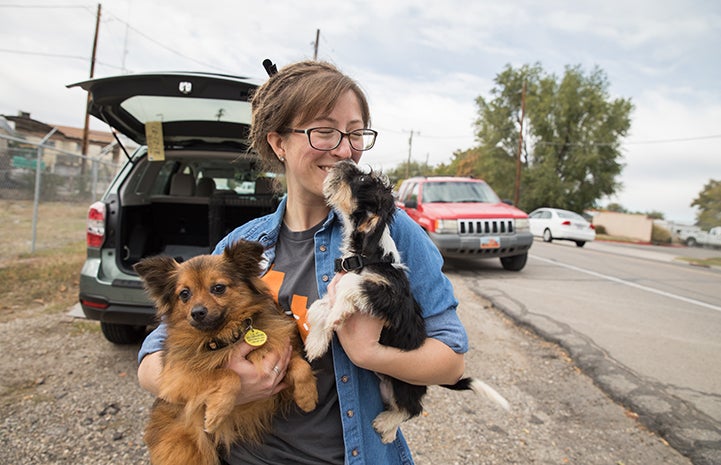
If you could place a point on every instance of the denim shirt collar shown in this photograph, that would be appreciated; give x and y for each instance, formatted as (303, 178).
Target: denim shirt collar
(267, 229)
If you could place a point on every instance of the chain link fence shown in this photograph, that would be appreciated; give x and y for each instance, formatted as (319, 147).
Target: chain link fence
(35, 175)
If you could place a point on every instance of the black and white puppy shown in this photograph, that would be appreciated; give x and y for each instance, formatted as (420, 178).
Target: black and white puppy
(375, 282)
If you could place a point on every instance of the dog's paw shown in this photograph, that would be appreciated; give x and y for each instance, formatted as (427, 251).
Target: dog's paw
(317, 342)
(211, 424)
(386, 424)
(306, 396)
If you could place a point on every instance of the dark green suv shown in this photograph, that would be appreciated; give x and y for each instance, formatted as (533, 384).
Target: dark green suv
(191, 181)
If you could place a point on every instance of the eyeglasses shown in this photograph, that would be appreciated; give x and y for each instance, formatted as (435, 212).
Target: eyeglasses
(330, 138)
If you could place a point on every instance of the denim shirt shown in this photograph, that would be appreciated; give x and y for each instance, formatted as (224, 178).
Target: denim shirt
(358, 389)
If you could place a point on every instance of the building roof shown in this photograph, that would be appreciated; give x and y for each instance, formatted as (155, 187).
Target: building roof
(93, 135)
(24, 124)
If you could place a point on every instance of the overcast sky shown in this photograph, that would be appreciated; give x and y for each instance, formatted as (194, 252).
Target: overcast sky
(422, 65)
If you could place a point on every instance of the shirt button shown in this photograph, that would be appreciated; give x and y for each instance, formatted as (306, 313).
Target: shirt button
(354, 453)
(322, 248)
(344, 379)
(325, 278)
(350, 413)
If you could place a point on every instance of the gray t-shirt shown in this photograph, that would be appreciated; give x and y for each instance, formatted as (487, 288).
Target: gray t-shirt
(299, 438)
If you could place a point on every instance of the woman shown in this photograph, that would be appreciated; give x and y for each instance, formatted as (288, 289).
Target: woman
(306, 118)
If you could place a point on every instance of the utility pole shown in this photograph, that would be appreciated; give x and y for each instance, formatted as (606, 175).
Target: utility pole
(410, 146)
(517, 191)
(315, 45)
(86, 129)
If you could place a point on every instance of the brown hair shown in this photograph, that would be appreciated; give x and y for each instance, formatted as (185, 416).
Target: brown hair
(302, 91)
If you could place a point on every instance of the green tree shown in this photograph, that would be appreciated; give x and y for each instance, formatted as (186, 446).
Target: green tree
(404, 170)
(709, 205)
(572, 132)
(655, 215)
(616, 207)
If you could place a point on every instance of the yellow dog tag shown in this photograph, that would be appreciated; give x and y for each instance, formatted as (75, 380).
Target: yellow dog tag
(255, 337)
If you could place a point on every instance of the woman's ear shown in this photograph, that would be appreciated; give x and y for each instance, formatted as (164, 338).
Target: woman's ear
(277, 143)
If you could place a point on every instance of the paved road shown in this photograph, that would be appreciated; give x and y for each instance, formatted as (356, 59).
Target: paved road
(645, 326)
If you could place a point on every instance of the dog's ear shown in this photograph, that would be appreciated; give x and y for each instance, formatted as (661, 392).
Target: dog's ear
(245, 257)
(387, 205)
(160, 277)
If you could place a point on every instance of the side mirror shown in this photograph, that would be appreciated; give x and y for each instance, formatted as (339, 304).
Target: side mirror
(507, 202)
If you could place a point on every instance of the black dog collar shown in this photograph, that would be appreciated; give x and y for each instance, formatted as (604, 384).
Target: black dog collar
(355, 263)
(238, 334)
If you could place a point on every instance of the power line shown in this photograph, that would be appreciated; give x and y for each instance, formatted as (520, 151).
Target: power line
(55, 55)
(669, 141)
(43, 54)
(396, 131)
(640, 142)
(108, 13)
(12, 5)
(159, 44)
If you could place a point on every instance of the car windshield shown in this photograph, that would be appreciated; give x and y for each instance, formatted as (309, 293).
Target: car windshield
(447, 192)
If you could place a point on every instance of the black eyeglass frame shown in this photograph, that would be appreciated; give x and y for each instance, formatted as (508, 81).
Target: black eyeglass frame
(366, 131)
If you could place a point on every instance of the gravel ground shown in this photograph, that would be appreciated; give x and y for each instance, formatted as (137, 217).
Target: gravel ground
(69, 396)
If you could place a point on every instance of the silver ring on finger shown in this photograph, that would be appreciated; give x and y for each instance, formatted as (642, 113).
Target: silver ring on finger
(276, 370)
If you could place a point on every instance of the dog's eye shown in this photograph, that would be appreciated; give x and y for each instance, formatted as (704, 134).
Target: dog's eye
(218, 289)
(184, 295)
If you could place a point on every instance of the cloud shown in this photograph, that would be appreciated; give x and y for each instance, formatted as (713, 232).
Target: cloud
(671, 152)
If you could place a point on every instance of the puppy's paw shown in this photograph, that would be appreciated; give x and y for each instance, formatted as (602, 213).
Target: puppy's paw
(387, 423)
(317, 342)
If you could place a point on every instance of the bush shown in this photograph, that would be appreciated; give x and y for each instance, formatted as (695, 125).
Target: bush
(660, 235)
(600, 229)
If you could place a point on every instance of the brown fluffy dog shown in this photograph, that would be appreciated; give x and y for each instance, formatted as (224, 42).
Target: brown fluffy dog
(209, 302)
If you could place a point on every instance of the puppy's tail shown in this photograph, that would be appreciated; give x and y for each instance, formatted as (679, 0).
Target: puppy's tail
(479, 387)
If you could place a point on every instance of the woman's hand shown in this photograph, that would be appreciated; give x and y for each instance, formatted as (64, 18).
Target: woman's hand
(259, 383)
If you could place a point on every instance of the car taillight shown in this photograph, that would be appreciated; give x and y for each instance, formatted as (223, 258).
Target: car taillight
(96, 225)
(566, 223)
(591, 226)
(94, 304)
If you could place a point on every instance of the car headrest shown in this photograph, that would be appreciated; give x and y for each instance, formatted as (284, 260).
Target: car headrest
(182, 184)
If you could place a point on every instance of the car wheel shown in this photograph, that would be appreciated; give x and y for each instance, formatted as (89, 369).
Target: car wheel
(122, 334)
(691, 242)
(580, 243)
(547, 236)
(514, 263)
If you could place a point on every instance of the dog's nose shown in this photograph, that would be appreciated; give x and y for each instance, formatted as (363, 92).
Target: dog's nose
(199, 313)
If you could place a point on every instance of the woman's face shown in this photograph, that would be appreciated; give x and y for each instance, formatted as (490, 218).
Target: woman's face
(306, 167)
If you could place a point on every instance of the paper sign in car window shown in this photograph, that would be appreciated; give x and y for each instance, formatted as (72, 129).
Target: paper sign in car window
(154, 137)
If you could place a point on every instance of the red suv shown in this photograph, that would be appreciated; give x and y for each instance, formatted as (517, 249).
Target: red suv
(465, 218)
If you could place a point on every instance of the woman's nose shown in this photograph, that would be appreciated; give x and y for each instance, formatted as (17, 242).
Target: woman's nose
(344, 150)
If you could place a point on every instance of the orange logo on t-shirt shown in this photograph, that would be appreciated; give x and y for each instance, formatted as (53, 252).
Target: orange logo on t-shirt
(298, 303)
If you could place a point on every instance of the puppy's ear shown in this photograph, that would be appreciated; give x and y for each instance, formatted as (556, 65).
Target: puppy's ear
(160, 277)
(386, 204)
(245, 257)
